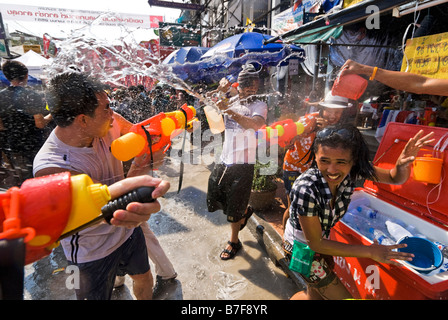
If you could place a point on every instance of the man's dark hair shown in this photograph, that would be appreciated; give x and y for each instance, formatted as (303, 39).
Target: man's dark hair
(70, 94)
(14, 70)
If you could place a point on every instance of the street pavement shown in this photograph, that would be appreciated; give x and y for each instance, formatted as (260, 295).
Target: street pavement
(192, 238)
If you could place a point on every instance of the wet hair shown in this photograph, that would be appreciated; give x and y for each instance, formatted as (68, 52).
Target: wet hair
(248, 76)
(346, 136)
(14, 70)
(70, 94)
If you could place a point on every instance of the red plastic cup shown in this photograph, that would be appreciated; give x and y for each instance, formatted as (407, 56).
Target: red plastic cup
(350, 86)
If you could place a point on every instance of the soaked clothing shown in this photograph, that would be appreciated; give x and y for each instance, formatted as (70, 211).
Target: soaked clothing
(310, 197)
(97, 278)
(98, 163)
(240, 145)
(229, 189)
(230, 182)
(296, 157)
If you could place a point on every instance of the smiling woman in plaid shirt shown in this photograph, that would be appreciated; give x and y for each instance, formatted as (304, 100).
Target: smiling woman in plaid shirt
(321, 195)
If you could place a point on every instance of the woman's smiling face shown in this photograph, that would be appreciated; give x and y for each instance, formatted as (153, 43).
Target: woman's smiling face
(334, 163)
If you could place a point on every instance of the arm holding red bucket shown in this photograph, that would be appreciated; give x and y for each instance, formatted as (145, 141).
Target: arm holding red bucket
(399, 80)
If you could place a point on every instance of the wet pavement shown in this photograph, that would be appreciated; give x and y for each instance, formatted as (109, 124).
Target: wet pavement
(193, 238)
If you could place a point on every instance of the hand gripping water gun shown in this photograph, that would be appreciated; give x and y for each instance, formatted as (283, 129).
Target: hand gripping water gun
(47, 209)
(153, 134)
(286, 130)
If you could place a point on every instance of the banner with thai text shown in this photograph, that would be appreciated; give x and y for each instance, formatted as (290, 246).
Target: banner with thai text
(427, 56)
(76, 17)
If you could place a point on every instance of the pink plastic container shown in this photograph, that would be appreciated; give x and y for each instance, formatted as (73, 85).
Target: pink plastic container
(350, 86)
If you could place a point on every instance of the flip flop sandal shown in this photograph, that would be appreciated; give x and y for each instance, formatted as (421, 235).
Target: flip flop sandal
(231, 253)
(246, 217)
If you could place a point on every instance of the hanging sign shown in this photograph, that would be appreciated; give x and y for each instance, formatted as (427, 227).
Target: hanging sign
(427, 56)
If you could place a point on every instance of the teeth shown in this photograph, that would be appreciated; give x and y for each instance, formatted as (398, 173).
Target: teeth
(333, 177)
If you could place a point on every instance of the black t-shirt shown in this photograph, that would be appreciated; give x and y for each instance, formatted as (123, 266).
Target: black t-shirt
(18, 105)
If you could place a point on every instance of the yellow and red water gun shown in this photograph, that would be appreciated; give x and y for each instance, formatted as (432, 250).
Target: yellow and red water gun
(153, 134)
(46, 209)
(284, 130)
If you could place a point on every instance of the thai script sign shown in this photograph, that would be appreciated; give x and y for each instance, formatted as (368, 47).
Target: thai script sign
(427, 56)
(73, 16)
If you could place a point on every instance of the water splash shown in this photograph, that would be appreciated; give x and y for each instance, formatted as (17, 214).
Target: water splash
(228, 287)
(87, 49)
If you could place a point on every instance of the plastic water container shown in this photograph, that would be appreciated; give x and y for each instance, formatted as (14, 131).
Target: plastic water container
(358, 222)
(381, 237)
(427, 169)
(367, 212)
(215, 120)
(427, 256)
(350, 86)
(396, 231)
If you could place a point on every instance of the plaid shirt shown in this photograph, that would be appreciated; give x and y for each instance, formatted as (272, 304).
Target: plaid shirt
(311, 196)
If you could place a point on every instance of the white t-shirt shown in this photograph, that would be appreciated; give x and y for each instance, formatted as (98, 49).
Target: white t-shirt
(240, 145)
(98, 163)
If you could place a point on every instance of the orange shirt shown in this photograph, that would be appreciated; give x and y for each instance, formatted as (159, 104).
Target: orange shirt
(292, 162)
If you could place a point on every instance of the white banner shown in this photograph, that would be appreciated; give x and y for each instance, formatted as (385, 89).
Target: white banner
(76, 17)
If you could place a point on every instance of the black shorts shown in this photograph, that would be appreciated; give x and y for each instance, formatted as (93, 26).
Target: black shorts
(97, 277)
(229, 189)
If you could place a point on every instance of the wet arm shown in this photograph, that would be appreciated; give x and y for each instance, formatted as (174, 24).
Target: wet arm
(404, 81)
(254, 123)
(402, 170)
(384, 254)
(313, 233)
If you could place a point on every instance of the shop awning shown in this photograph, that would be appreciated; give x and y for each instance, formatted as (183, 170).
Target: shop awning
(318, 35)
(352, 14)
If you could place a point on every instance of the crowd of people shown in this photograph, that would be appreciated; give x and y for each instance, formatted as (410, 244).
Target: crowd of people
(136, 104)
(320, 169)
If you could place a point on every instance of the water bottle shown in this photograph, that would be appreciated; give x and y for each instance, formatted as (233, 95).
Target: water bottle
(381, 237)
(215, 120)
(397, 231)
(375, 218)
(357, 221)
(367, 212)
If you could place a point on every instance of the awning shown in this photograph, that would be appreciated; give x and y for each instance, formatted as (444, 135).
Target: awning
(352, 14)
(316, 36)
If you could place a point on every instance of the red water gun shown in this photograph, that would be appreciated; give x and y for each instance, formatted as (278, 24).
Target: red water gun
(285, 130)
(46, 209)
(153, 134)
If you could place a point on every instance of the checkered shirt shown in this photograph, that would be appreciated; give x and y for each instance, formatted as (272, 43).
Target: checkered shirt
(311, 196)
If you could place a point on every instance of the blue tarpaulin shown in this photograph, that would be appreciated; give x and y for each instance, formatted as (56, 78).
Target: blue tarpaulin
(228, 56)
(185, 54)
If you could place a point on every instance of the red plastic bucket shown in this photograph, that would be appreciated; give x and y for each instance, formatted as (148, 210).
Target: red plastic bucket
(350, 86)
